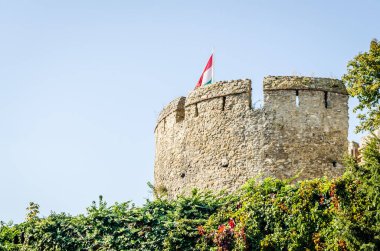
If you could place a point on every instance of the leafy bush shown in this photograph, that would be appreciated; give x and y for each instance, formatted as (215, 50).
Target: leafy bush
(320, 214)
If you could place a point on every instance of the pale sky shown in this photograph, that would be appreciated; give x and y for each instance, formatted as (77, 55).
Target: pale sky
(82, 82)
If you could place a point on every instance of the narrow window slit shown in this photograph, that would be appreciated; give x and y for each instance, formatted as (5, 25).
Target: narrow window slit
(180, 116)
(334, 163)
(297, 99)
(223, 103)
(326, 100)
(196, 110)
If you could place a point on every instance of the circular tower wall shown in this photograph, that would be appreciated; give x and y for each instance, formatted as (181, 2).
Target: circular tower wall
(214, 140)
(211, 147)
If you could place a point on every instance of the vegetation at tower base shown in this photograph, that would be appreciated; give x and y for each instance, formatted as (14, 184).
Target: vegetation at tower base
(363, 81)
(318, 214)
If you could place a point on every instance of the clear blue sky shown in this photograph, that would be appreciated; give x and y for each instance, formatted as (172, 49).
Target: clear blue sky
(82, 82)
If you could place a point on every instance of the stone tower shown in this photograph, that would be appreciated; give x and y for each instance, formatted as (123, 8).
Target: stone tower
(213, 139)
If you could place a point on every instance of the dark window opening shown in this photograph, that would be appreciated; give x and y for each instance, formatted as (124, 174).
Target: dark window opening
(326, 100)
(182, 175)
(297, 99)
(334, 163)
(196, 110)
(180, 115)
(223, 103)
(164, 124)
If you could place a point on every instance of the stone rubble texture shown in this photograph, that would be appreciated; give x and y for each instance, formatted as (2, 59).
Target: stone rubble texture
(214, 140)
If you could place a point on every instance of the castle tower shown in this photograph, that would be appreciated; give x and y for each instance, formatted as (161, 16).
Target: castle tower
(214, 139)
(306, 128)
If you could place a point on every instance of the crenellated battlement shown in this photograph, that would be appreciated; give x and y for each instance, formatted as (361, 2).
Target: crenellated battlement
(218, 90)
(177, 106)
(272, 83)
(213, 139)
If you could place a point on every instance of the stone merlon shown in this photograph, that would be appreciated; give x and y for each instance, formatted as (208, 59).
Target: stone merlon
(177, 104)
(219, 89)
(303, 83)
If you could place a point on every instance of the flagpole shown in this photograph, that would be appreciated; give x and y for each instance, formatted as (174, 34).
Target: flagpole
(213, 65)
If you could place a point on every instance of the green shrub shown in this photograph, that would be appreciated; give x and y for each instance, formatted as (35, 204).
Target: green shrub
(320, 214)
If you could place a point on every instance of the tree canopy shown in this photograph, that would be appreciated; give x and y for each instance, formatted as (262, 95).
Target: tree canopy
(363, 82)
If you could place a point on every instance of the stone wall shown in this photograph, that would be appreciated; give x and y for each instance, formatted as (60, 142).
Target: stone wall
(306, 137)
(214, 140)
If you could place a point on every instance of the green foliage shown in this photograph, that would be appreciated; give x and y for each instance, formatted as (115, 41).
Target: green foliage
(363, 81)
(9, 237)
(277, 216)
(320, 214)
(359, 216)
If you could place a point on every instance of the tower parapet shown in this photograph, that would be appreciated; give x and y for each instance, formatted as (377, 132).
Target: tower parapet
(218, 90)
(214, 139)
(303, 83)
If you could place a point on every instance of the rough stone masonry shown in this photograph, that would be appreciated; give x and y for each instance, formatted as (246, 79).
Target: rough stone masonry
(213, 139)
